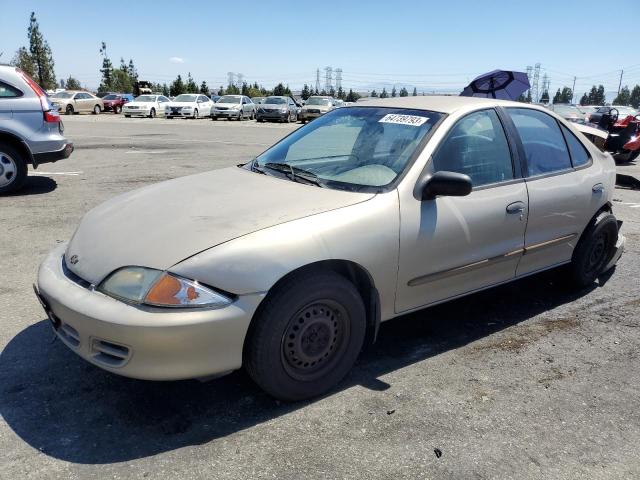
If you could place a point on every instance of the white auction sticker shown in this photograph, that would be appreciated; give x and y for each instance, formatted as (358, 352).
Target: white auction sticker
(413, 120)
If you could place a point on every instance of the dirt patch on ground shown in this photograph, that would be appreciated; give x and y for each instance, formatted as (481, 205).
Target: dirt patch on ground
(519, 337)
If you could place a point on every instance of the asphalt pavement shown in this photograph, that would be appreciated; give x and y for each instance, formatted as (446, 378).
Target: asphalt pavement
(528, 380)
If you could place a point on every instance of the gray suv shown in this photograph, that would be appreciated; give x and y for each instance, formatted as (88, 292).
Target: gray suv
(30, 128)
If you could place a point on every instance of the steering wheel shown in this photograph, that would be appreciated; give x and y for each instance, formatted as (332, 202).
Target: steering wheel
(614, 117)
(637, 118)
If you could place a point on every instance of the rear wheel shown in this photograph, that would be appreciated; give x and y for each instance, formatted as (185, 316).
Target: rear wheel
(594, 250)
(127, 116)
(68, 110)
(152, 113)
(307, 336)
(13, 169)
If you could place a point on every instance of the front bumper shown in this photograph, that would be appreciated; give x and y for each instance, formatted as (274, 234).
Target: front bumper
(142, 342)
(276, 115)
(308, 116)
(49, 157)
(225, 113)
(137, 113)
(181, 114)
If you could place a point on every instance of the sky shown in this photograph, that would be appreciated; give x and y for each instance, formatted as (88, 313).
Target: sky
(433, 45)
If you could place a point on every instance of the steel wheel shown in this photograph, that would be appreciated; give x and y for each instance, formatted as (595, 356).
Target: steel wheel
(598, 254)
(8, 170)
(315, 339)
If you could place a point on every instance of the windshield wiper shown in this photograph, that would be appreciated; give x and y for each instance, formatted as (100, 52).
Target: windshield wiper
(296, 173)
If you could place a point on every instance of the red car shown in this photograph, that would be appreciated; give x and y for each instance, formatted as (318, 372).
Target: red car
(114, 101)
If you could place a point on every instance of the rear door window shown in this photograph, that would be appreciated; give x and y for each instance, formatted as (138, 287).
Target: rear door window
(7, 91)
(544, 146)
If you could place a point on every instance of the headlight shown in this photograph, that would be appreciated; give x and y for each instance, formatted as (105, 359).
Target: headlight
(158, 288)
(284, 110)
(186, 108)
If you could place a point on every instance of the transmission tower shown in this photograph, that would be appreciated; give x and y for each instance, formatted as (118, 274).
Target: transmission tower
(317, 80)
(535, 88)
(328, 78)
(231, 78)
(545, 83)
(240, 78)
(338, 78)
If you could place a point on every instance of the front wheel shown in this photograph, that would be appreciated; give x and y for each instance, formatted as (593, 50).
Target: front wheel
(594, 250)
(69, 110)
(195, 114)
(13, 169)
(117, 109)
(307, 336)
(96, 110)
(127, 116)
(152, 113)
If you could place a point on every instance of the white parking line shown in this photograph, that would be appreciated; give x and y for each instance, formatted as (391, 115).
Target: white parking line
(55, 173)
(167, 140)
(146, 151)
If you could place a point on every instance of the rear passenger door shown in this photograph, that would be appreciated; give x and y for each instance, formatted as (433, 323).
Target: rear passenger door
(562, 195)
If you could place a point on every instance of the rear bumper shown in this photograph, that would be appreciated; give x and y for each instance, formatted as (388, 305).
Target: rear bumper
(49, 157)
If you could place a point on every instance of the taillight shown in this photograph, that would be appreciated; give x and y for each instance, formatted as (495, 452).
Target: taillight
(50, 115)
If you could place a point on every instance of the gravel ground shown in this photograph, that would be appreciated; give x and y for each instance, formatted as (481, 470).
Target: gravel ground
(523, 381)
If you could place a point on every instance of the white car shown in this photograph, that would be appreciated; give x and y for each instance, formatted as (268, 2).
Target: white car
(191, 105)
(146, 106)
(237, 107)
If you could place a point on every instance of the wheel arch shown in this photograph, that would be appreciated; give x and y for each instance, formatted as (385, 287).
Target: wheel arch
(353, 272)
(17, 143)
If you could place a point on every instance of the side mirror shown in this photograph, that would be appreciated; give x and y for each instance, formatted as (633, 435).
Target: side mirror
(448, 184)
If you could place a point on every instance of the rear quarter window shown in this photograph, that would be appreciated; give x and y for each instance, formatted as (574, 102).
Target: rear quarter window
(7, 91)
(579, 154)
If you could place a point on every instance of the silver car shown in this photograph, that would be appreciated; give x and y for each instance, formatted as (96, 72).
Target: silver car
(288, 264)
(280, 108)
(30, 128)
(236, 107)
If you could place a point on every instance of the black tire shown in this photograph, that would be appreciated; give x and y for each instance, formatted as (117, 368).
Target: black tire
(152, 113)
(117, 109)
(306, 337)
(96, 110)
(13, 169)
(68, 110)
(594, 250)
(196, 116)
(127, 116)
(260, 120)
(240, 116)
(213, 118)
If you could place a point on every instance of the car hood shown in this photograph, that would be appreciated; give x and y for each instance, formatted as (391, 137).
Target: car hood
(316, 107)
(162, 224)
(140, 104)
(181, 104)
(228, 105)
(273, 105)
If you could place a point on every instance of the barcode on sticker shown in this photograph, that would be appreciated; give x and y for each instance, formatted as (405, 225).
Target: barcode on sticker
(412, 120)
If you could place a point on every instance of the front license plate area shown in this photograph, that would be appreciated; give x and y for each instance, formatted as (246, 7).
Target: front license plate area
(55, 321)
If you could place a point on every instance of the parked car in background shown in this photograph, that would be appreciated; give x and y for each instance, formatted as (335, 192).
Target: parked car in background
(71, 101)
(623, 127)
(616, 111)
(30, 129)
(146, 106)
(236, 107)
(258, 100)
(280, 108)
(114, 102)
(422, 200)
(571, 113)
(189, 105)
(315, 107)
(338, 103)
(215, 98)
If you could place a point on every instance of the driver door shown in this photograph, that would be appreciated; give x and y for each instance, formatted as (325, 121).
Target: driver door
(450, 246)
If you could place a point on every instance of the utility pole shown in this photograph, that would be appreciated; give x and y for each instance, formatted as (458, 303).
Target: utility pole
(318, 80)
(620, 84)
(573, 89)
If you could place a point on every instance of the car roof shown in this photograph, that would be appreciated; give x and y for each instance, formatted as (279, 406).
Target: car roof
(439, 103)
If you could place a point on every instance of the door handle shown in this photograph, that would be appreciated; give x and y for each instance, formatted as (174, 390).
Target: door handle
(515, 207)
(597, 188)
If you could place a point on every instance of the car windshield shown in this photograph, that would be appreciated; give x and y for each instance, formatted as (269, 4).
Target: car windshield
(227, 99)
(185, 98)
(318, 101)
(624, 111)
(353, 148)
(566, 110)
(62, 95)
(276, 100)
(146, 98)
(111, 97)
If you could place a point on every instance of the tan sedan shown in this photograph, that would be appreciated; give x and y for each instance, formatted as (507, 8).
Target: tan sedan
(288, 264)
(70, 102)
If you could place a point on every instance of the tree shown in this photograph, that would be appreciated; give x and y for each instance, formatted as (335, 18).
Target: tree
(557, 97)
(415, 92)
(566, 96)
(107, 70)
(22, 59)
(352, 96)
(384, 93)
(624, 97)
(279, 90)
(600, 97)
(190, 86)
(165, 90)
(585, 99)
(374, 93)
(204, 89)
(545, 97)
(341, 94)
(41, 55)
(332, 92)
(528, 99)
(393, 91)
(177, 87)
(232, 90)
(71, 83)
(634, 98)
(306, 93)
(133, 72)
(404, 92)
